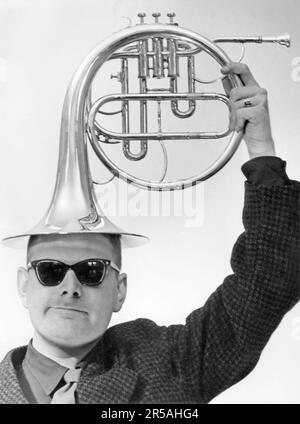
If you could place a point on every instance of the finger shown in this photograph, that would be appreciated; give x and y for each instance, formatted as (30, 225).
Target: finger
(240, 104)
(245, 92)
(242, 71)
(240, 122)
(244, 115)
(232, 119)
(251, 114)
(227, 85)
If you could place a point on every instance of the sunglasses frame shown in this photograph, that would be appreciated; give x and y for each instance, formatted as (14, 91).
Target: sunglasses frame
(105, 262)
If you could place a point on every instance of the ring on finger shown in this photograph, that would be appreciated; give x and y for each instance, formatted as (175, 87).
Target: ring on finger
(247, 103)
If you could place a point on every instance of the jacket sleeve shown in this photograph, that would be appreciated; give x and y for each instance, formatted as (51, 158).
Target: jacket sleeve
(266, 171)
(221, 342)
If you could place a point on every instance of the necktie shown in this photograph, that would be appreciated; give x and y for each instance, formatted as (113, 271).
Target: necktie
(66, 394)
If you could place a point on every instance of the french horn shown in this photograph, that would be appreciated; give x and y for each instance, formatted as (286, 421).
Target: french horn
(157, 50)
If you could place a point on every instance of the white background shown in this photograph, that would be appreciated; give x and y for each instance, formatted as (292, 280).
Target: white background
(41, 44)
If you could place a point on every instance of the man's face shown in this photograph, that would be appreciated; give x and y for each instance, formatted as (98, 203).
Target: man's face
(72, 314)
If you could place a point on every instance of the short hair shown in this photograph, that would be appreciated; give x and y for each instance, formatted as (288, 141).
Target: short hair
(115, 240)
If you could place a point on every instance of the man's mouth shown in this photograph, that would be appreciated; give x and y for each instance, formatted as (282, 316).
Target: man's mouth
(69, 309)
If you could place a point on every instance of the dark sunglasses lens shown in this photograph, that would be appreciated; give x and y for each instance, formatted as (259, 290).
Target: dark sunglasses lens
(51, 273)
(90, 272)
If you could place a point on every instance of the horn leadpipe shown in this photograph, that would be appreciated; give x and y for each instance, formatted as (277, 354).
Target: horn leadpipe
(283, 40)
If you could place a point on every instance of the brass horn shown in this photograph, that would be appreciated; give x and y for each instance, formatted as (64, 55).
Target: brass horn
(156, 48)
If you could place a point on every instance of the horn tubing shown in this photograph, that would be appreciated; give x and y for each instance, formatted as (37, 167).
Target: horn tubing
(73, 164)
(154, 97)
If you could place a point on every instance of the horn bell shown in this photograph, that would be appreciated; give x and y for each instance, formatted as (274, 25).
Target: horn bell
(74, 206)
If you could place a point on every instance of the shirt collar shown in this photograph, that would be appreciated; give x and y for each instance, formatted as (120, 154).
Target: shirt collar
(48, 372)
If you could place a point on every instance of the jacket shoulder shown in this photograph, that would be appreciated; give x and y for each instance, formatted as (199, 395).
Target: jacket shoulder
(14, 358)
(141, 335)
(10, 390)
(142, 329)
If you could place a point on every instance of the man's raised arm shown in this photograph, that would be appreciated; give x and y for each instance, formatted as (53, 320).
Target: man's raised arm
(222, 341)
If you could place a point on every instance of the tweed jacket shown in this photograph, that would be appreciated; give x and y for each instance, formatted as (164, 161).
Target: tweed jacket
(221, 342)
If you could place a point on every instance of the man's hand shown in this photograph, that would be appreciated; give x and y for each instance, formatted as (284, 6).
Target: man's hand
(252, 117)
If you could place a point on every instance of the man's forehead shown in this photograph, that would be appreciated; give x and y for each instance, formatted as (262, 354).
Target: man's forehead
(70, 247)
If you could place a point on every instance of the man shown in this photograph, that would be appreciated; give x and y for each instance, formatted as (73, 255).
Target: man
(73, 284)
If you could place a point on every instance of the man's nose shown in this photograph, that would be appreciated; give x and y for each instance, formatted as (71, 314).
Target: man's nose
(70, 286)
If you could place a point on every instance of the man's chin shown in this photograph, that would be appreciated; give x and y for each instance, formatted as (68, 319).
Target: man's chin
(70, 337)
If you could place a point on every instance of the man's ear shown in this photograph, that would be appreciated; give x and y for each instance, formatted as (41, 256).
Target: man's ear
(121, 291)
(22, 285)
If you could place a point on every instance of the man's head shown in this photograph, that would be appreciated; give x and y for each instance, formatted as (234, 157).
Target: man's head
(70, 314)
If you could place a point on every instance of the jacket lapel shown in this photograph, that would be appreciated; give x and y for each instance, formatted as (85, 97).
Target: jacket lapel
(114, 386)
(107, 376)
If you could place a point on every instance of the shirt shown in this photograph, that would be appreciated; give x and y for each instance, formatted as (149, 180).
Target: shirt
(40, 376)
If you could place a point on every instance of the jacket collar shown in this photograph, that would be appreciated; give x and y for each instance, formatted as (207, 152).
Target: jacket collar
(106, 377)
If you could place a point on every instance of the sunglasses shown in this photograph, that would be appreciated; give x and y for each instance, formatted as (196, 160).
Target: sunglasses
(90, 272)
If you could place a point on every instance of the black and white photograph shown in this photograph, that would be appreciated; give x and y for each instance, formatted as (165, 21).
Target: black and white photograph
(150, 203)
